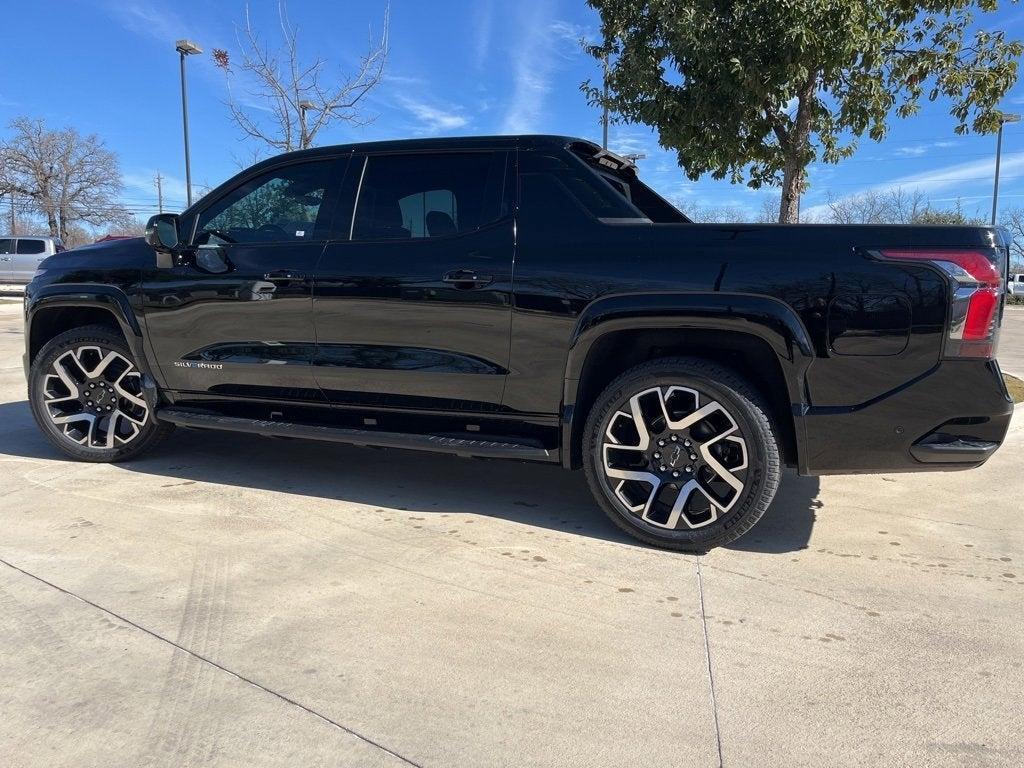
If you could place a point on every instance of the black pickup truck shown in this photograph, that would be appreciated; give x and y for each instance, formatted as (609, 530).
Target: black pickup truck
(528, 298)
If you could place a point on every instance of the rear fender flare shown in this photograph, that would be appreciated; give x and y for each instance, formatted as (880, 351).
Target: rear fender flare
(766, 318)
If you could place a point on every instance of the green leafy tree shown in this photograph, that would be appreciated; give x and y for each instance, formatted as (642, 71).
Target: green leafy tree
(756, 90)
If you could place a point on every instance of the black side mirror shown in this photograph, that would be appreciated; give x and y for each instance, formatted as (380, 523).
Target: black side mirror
(162, 232)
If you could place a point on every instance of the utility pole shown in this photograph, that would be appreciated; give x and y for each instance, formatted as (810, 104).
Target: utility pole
(159, 193)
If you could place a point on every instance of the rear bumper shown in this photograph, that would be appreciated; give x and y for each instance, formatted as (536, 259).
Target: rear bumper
(953, 417)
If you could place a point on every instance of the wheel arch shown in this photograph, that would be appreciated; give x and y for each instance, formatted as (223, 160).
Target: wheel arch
(62, 308)
(761, 338)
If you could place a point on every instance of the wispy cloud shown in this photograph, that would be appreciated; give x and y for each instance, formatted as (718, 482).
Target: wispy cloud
(145, 18)
(484, 32)
(431, 118)
(5, 102)
(918, 150)
(536, 58)
(959, 175)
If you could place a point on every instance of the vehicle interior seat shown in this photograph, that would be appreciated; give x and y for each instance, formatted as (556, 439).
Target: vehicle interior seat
(440, 224)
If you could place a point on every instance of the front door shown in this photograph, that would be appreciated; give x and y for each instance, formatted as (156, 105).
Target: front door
(414, 310)
(27, 254)
(235, 317)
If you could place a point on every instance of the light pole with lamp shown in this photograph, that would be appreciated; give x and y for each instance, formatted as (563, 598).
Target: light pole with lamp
(303, 105)
(186, 48)
(1003, 119)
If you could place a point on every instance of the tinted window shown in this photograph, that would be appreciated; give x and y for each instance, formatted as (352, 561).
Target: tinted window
(31, 246)
(550, 177)
(408, 196)
(285, 204)
(6, 246)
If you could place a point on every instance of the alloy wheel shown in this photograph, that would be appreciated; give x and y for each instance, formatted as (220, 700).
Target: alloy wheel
(94, 397)
(674, 458)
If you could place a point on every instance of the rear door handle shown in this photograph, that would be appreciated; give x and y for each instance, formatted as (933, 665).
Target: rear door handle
(467, 278)
(284, 276)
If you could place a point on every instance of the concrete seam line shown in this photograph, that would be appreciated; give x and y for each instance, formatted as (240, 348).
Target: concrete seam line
(707, 658)
(213, 663)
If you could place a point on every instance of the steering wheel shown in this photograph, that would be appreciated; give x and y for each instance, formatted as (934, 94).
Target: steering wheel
(272, 228)
(220, 234)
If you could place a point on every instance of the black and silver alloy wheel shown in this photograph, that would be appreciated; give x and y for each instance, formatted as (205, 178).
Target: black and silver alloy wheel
(681, 454)
(673, 459)
(95, 397)
(86, 395)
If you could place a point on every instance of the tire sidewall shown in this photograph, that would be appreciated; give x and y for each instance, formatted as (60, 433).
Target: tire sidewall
(41, 366)
(753, 426)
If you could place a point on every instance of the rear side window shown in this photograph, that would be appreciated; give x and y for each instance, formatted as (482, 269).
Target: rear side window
(411, 196)
(548, 180)
(6, 246)
(31, 246)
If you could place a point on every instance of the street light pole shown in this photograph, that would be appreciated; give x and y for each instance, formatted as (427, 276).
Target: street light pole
(1003, 119)
(604, 117)
(303, 106)
(186, 48)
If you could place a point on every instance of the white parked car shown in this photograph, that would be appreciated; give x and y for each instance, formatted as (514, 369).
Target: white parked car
(20, 256)
(1015, 285)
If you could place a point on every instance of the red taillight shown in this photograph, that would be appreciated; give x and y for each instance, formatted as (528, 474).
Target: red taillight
(981, 312)
(974, 303)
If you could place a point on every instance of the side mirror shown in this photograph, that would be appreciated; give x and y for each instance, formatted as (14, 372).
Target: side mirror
(162, 232)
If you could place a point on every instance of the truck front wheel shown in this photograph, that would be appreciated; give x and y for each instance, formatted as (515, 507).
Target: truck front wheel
(86, 395)
(680, 453)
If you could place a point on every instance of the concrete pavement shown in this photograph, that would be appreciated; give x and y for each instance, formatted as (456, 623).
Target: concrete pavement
(230, 600)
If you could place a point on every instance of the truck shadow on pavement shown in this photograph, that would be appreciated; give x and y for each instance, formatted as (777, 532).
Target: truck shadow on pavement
(529, 494)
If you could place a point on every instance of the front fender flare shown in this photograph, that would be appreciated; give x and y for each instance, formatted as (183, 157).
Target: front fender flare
(106, 297)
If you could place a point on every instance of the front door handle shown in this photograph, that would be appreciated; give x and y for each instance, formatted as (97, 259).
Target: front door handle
(284, 276)
(467, 278)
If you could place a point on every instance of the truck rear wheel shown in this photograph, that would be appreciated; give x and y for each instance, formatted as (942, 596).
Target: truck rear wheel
(86, 395)
(680, 453)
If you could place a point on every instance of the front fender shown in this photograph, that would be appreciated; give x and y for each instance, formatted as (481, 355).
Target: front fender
(71, 295)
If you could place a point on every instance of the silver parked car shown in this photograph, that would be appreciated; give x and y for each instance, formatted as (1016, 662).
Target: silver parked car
(1015, 285)
(20, 256)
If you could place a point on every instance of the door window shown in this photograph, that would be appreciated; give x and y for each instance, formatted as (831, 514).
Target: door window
(282, 205)
(31, 246)
(6, 246)
(429, 195)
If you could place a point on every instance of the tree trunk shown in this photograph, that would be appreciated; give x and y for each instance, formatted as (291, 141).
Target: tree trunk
(51, 220)
(789, 208)
(794, 144)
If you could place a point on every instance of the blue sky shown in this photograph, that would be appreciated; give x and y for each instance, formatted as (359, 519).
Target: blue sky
(456, 68)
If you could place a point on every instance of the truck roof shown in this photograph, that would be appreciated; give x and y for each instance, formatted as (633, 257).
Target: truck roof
(447, 142)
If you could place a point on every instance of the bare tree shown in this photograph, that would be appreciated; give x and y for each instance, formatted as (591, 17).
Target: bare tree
(894, 206)
(289, 88)
(1013, 220)
(711, 214)
(64, 177)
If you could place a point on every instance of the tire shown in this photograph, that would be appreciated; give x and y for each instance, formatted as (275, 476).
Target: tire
(85, 392)
(711, 439)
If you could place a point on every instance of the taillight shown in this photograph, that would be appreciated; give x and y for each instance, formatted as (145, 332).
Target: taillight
(974, 305)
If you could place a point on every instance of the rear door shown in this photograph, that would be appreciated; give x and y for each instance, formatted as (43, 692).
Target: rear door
(27, 255)
(414, 308)
(236, 318)
(7, 246)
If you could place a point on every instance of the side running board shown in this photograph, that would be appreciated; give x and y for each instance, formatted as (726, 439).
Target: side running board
(362, 437)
